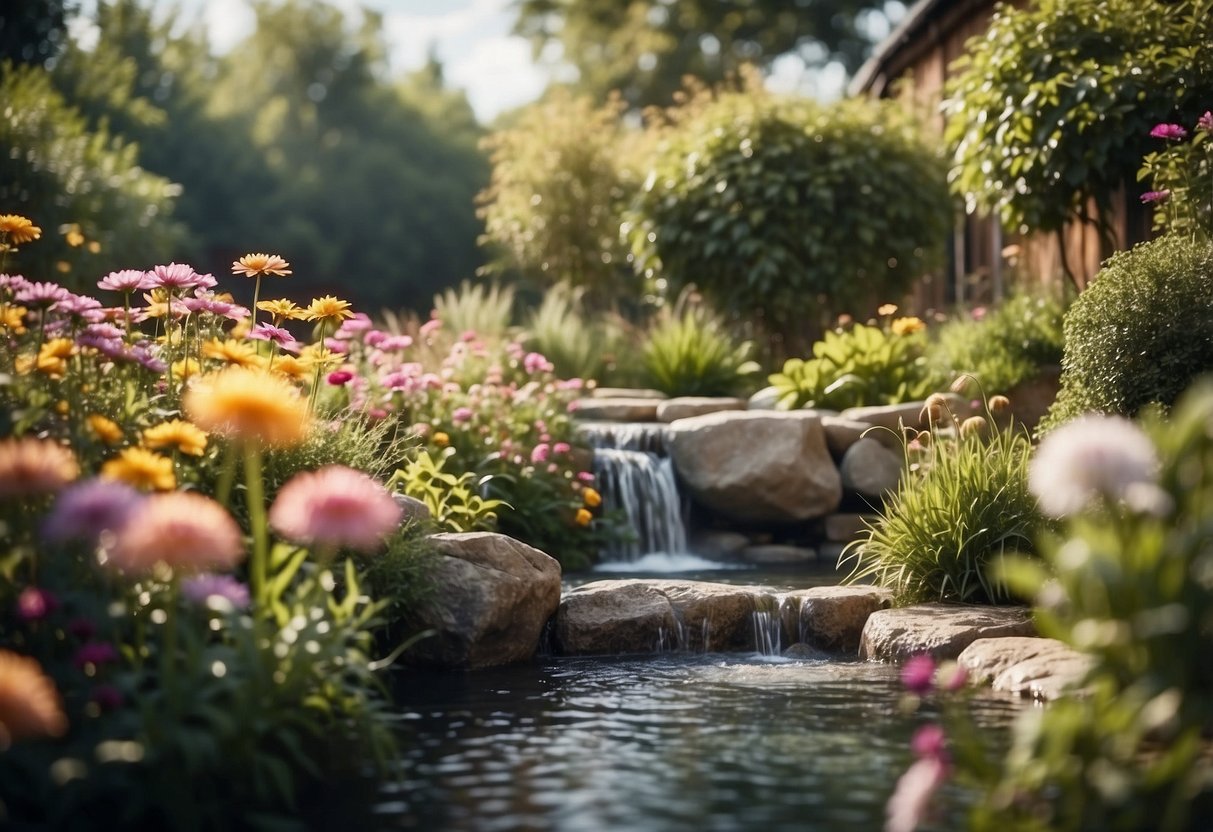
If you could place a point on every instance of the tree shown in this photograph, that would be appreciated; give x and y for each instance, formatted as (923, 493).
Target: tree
(33, 31)
(644, 48)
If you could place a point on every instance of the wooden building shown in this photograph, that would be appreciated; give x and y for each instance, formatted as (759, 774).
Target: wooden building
(913, 65)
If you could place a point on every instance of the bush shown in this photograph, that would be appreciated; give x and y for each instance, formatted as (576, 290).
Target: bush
(601, 347)
(1141, 333)
(961, 508)
(863, 365)
(689, 352)
(783, 210)
(1003, 348)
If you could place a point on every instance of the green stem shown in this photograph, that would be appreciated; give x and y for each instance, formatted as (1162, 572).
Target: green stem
(168, 341)
(168, 651)
(227, 475)
(256, 295)
(255, 500)
(311, 401)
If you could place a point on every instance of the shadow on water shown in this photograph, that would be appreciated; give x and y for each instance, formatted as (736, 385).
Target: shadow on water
(674, 742)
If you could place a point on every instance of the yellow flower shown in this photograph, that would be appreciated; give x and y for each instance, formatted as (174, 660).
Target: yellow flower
(186, 437)
(887, 309)
(282, 309)
(29, 703)
(106, 430)
(57, 348)
(13, 318)
(34, 466)
(253, 265)
(18, 229)
(93, 247)
(73, 236)
(290, 367)
(140, 468)
(442, 439)
(240, 353)
(907, 326)
(327, 308)
(314, 355)
(583, 517)
(186, 368)
(591, 497)
(251, 405)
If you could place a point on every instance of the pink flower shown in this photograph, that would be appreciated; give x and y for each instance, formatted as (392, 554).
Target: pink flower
(918, 674)
(181, 529)
(534, 363)
(952, 677)
(1168, 131)
(268, 332)
(86, 509)
(35, 604)
(912, 798)
(430, 327)
(540, 453)
(561, 448)
(585, 476)
(929, 741)
(461, 414)
(340, 377)
(1205, 122)
(1090, 457)
(1156, 196)
(335, 506)
(176, 276)
(126, 280)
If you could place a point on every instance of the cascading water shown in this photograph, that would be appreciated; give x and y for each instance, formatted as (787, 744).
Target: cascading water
(635, 475)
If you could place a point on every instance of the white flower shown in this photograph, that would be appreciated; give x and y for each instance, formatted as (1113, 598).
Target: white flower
(1090, 457)
(910, 800)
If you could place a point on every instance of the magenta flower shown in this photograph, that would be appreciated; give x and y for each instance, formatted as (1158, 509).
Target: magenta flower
(269, 332)
(95, 653)
(461, 414)
(918, 674)
(126, 280)
(1169, 131)
(929, 741)
(175, 276)
(35, 604)
(534, 363)
(334, 507)
(1205, 122)
(561, 448)
(540, 453)
(88, 508)
(339, 377)
(585, 476)
(1156, 196)
(201, 589)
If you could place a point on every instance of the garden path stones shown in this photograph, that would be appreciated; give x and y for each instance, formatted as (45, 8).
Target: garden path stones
(757, 466)
(685, 407)
(941, 630)
(870, 469)
(493, 595)
(1041, 668)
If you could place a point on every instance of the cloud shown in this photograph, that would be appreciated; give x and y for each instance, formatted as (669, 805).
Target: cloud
(498, 75)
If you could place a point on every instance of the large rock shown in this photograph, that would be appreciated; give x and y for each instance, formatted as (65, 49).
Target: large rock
(685, 407)
(842, 433)
(718, 544)
(616, 409)
(626, 393)
(611, 617)
(757, 466)
(870, 469)
(1042, 668)
(910, 414)
(492, 597)
(833, 617)
(942, 630)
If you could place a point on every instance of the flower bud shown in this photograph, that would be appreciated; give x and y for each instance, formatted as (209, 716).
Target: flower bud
(999, 403)
(973, 426)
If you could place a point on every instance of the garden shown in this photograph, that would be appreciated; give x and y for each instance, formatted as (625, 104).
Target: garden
(686, 512)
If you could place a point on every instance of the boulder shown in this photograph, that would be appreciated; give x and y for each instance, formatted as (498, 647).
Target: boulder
(777, 553)
(718, 545)
(611, 617)
(911, 414)
(842, 433)
(626, 393)
(616, 409)
(1041, 668)
(764, 399)
(757, 466)
(843, 528)
(412, 508)
(804, 652)
(941, 630)
(833, 617)
(870, 469)
(685, 407)
(492, 597)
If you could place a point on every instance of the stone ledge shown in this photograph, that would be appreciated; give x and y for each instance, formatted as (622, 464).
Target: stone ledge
(1040, 668)
(940, 630)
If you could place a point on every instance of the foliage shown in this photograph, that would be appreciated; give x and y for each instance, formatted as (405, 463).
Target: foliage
(1181, 176)
(66, 175)
(554, 203)
(736, 196)
(601, 347)
(451, 499)
(1003, 347)
(31, 32)
(1131, 588)
(483, 309)
(688, 352)
(1053, 105)
(401, 575)
(962, 507)
(862, 365)
(646, 48)
(1140, 333)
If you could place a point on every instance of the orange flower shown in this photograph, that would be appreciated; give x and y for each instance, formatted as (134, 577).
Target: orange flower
(907, 326)
(29, 703)
(583, 517)
(251, 405)
(240, 353)
(591, 497)
(106, 430)
(290, 367)
(254, 265)
(31, 466)
(18, 229)
(13, 318)
(327, 308)
(186, 437)
(141, 468)
(887, 309)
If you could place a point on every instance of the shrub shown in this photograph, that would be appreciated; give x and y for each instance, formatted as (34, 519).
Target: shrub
(485, 309)
(863, 365)
(1003, 348)
(453, 503)
(739, 191)
(688, 352)
(961, 508)
(600, 347)
(1141, 333)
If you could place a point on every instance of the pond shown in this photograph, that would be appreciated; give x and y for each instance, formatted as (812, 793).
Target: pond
(677, 741)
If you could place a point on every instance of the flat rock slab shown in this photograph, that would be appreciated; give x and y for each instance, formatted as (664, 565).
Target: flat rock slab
(685, 407)
(626, 393)
(616, 410)
(842, 433)
(1040, 668)
(777, 553)
(940, 630)
(647, 616)
(910, 414)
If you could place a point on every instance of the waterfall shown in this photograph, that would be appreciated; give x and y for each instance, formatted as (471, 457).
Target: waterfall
(768, 632)
(636, 476)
